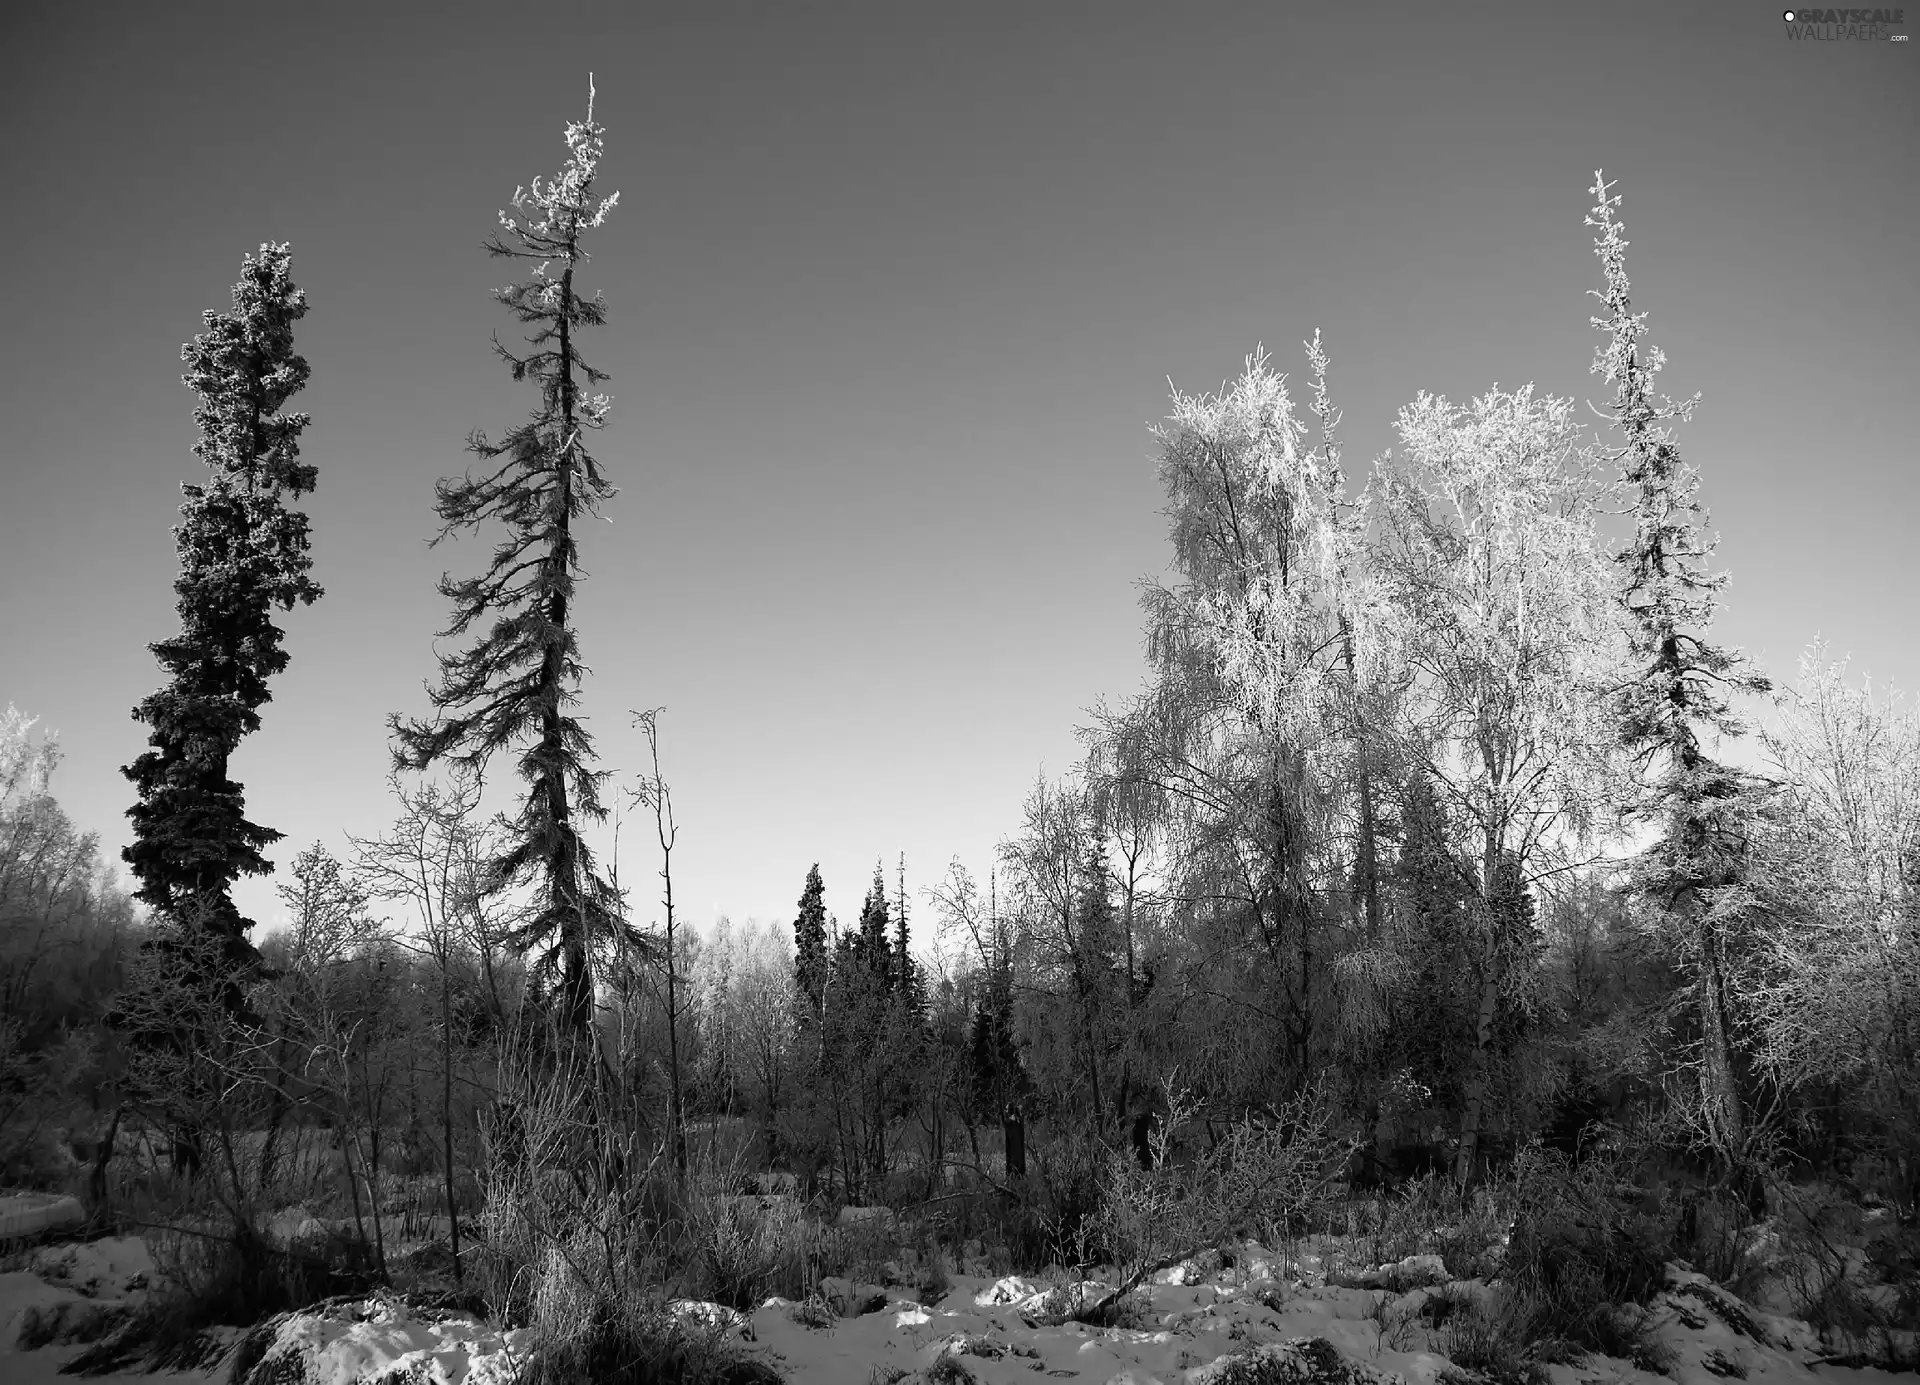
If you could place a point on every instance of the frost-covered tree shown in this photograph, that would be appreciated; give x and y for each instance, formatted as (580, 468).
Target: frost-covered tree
(1241, 733)
(60, 911)
(1830, 983)
(514, 685)
(327, 909)
(243, 551)
(1488, 550)
(1681, 688)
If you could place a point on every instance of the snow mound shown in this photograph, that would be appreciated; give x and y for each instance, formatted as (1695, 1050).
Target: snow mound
(1012, 1289)
(711, 1315)
(294, 1226)
(1414, 1272)
(30, 1214)
(114, 1265)
(378, 1340)
(1297, 1361)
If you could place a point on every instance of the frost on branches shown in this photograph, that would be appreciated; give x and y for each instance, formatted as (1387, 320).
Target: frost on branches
(242, 552)
(1681, 688)
(521, 676)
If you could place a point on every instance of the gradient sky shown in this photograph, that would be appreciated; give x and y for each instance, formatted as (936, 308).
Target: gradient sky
(895, 291)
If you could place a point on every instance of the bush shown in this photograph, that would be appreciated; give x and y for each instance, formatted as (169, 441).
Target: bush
(1583, 1257)
(1075, 1303)
(1259, 1180)
(635, 1342)
(744, 1251)
(1484, 1353)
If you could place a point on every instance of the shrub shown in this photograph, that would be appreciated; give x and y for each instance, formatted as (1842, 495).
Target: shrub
(1492, 1340)
(744, 1251)
(1583, 1257)
(1258, 1179)
(1074, 1303)
(635, 1342)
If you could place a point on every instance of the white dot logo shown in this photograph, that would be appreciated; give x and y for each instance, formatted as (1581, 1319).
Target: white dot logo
(1787, 15)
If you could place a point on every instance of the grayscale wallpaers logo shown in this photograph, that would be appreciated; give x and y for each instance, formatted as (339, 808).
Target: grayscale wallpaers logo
(1840, 25)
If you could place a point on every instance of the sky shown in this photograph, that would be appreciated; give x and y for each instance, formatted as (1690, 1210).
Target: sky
(895, 292)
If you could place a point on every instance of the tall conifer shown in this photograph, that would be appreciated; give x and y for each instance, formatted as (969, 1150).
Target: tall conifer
(1682, 684)
(810, 949)
(243, 550)
(514, 685)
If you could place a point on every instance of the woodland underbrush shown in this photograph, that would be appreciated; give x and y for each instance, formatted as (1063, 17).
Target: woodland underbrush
(582, 1228)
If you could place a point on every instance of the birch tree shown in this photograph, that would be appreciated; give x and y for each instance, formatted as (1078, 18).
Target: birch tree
(1239, 731)
(1486, 544)
(1830, 983)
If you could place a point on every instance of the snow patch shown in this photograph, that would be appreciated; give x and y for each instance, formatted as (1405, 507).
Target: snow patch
(378, 1341)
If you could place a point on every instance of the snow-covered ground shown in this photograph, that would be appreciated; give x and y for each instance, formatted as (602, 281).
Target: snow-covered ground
(66, 1284)
(996, 1329)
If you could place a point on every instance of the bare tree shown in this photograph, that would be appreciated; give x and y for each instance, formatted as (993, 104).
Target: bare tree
(653, 794)
(434, 859)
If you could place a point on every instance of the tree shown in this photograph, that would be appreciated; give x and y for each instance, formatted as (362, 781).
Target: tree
(242, 551)
(431, 859)
(1681, 687)
(762, 988)
(521, 676)
(909, 982)
(1047, 862)
(62, 926)
(997, 1084)
(1488, 551)
(1830, 983)
(653, 794)
(1360, 694)
(328, 909)
(1243, 732)
(871, 945)
(810, 949)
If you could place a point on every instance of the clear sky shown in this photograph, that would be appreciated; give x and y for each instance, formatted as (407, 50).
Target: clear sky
(894, 292)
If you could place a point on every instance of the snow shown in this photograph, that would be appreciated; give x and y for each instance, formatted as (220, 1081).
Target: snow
(1187, 1328)
(1012, 1289)
(111, 1271)
(1312, 1331)
(117, 1265)
(28, 1214)
(378, 1339)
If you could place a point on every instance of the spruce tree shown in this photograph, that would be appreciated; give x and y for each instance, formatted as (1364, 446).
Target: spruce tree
(810, 949)
(909, 985)
(243, 551)
(515, 684)
(871, 945)
(1681, 685)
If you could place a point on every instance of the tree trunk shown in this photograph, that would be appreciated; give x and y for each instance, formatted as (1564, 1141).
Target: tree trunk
(1476, 1085)
(97, 1178)
(1474, 1106)
(1369, 863)
(1719, 1095)
(446, 1114)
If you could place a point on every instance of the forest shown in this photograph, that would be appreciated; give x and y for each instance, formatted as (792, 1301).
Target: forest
(1435, 906)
